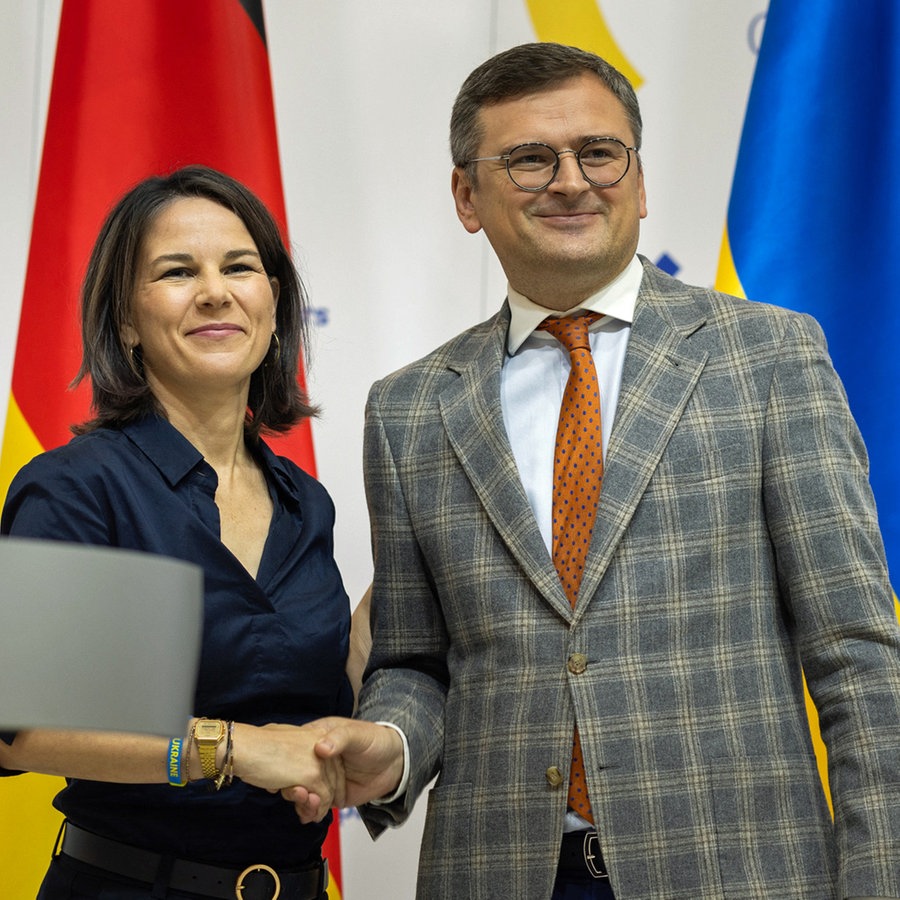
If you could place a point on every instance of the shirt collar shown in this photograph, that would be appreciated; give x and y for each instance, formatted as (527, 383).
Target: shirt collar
(175, 456)
(285, 479)
(164, 445)
(617, 299)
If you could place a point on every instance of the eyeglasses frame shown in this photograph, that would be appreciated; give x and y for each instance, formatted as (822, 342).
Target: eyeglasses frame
(558, 153)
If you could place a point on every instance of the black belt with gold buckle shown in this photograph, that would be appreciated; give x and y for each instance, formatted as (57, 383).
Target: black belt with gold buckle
(580, 854)
(255, 882)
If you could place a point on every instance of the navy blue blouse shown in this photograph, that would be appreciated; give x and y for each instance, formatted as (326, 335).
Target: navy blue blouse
(274, 647)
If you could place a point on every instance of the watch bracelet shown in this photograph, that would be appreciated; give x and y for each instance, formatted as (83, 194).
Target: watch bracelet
(218, 777)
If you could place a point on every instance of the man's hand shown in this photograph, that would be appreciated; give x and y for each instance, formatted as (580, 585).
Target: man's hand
(369, 755)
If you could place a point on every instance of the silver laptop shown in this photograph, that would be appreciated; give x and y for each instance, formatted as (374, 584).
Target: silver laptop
(97, 638)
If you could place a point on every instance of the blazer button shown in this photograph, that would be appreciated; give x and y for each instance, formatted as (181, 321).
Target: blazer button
(577, 663)
(554, 777)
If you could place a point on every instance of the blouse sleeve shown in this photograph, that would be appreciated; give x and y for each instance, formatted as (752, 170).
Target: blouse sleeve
(51, 498)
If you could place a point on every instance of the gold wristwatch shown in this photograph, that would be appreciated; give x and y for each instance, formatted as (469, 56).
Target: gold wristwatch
(209, 733)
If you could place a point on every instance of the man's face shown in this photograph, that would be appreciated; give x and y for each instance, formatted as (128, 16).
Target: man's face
(564, 243)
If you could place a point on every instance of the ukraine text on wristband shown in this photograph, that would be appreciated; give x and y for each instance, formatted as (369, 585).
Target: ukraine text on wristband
(176, 775)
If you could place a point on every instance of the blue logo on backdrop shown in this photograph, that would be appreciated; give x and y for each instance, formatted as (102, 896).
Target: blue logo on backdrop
(668, 265)
(755, 32)
(318, 316)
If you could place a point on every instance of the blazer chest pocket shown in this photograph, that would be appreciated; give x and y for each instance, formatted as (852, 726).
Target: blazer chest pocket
(700, 459)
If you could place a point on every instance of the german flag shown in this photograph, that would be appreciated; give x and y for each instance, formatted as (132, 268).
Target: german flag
(139, 88)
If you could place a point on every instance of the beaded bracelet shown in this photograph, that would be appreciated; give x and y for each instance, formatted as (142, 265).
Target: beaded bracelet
(189, 742)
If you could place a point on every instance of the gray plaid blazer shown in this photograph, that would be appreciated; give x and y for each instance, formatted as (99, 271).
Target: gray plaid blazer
(736, 540)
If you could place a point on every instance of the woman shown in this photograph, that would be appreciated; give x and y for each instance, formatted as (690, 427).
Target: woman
(192, 323)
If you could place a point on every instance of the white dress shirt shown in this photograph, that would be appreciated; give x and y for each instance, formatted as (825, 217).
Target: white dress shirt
(534, 377)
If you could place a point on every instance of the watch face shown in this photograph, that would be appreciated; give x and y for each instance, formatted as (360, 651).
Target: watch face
(209, 730)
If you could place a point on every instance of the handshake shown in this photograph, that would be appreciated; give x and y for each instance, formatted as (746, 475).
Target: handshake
(325, 763)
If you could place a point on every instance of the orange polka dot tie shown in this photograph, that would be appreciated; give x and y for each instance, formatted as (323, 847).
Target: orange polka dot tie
(577, 477)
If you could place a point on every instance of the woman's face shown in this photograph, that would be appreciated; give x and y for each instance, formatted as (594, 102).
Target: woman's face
(203, 309)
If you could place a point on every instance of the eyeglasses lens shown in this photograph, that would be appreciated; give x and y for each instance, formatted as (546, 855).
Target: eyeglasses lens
(534, 166)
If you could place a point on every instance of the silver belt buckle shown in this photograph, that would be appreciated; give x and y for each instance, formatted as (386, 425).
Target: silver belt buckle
(591, 850)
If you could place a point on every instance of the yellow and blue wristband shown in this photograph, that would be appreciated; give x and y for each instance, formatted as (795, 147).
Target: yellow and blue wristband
(175, 770)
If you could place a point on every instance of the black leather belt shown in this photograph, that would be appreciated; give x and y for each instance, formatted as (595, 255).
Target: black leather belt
(580, 855)
(256, 882)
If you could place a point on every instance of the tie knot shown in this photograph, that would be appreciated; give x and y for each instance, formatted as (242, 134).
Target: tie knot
(570, 331)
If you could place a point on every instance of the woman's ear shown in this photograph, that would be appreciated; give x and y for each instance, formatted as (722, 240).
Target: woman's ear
(129, 335)
(276, 292)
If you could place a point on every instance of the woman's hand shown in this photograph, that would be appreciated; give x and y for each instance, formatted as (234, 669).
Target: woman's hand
(276, 756)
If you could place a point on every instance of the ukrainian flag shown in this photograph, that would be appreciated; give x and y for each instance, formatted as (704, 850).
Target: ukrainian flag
(814, 216)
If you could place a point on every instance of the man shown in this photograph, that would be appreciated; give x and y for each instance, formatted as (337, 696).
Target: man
(734, 541)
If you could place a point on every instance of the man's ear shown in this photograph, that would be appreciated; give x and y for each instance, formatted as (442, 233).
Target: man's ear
(642, 194)
(462, 188)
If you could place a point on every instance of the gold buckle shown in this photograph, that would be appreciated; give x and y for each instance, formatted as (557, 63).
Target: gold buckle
(239, 884)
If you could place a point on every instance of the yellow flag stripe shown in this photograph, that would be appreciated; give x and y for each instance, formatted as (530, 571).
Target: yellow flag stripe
(727, 279)
(19, 445)
(334, 889)
(28, 824)
(580, 23)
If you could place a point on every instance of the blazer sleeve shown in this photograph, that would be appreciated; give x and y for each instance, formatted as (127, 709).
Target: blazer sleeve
(406, 677)
(831, 563)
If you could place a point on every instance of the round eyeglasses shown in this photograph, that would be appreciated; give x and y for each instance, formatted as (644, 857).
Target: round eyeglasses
(603, 161)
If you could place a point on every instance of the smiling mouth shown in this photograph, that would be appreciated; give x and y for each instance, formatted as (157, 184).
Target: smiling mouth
(566, 212)
(223, 329)
(566, 215)
(568, 219)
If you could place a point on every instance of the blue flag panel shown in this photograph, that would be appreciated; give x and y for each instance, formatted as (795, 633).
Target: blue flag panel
(814, 217)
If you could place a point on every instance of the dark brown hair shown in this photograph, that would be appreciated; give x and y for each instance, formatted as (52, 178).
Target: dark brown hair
(528, 69)
(120, 393)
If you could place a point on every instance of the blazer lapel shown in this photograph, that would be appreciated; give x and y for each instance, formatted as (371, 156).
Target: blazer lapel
(660, 373)
(473, 419)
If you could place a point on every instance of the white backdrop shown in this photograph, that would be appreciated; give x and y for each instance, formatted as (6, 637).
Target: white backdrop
(390, 270)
